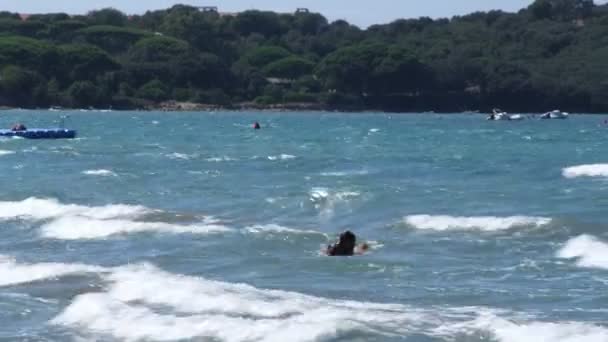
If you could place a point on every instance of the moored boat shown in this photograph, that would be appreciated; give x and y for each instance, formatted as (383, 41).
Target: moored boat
(39, 133)
(556, 114)
(498, 115)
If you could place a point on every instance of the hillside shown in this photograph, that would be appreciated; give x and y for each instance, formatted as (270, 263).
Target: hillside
(553, 54)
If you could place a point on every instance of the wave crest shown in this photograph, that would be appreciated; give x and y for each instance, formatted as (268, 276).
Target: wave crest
(42, 209)
(4, 152)
(277, 229)
(143, 302)
(590, 170)
(75, 228)
(101, 172)
(588, 250)
(484, 223)
(199, 308)
(504, 330)
(13, 273)
(282, 157)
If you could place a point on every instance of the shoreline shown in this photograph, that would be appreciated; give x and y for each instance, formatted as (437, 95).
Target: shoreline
(186, 107)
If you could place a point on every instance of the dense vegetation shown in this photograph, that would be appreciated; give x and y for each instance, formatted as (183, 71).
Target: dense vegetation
(551, 54)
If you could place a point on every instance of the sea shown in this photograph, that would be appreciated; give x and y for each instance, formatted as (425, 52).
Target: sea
(162, 226)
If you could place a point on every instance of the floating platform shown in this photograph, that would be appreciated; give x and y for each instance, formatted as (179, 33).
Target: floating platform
(40, 133)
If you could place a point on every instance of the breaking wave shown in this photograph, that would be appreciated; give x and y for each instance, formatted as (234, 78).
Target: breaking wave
(485, 223)
(326, 200)
(345, 173)
(71, 221)
(587, 250)
(282, 157)
(518, 330)
(200, 308)
(322, 194)
(180, 156)
(142, 302)
(591, 170)
(4, 152)
(13, 273)
(277, 229)
(220, 159)
(41, 209)
(75, 228)
(102, 172)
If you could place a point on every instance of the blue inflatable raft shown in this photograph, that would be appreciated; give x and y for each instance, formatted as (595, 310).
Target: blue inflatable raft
(40, 133)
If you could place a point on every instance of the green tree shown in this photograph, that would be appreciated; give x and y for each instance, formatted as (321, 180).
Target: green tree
(158, 49)
(18, 85)
(84, 62)
(27, 52)
(264, 55)
(154, 91)
(53, 91)
(290, 68)
(265, 23)
(83, 94)
(562, 9)
(108, 16)
(112, 38)
(310, 23)
(350, 69)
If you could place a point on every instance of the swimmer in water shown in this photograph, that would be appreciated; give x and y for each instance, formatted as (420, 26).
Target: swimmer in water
(346, 246)
(256, 125)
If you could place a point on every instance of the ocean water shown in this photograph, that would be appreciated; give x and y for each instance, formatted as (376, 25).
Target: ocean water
(193, 226)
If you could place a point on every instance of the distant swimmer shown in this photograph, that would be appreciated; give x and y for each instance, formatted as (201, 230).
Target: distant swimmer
(256, 125)
(346, 246)
(19, 127)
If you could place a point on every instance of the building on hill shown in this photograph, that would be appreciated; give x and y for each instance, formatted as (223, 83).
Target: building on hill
(215, 9)
(279, 81)
(207, 9)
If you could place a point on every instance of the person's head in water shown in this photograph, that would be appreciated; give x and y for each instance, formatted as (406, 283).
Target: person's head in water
(256, 125)
(345, 246)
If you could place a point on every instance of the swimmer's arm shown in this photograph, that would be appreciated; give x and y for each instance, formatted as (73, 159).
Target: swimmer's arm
(362, 248)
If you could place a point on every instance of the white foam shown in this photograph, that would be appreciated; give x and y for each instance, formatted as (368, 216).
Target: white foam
(281, 157)
(220, 159)
(75, 228)
(320, 194)
(203, 309)
(485, 223)
(180, 156)
(345, 173)
(143, 302)
(591, 170)
(41, 209)
(347, 194)
(275, 228)
(13, 273)
(326, 200)
(101, 172)
(374, 130)
(504, 330)
(589, 251)
(5, 153)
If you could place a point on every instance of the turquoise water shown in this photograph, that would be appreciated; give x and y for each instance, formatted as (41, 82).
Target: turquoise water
(191, 226)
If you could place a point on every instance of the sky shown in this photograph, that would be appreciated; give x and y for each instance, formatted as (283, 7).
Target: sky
(360, 12)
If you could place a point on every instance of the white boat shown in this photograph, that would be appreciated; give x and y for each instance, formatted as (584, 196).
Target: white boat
(498, 115)
(556, 114)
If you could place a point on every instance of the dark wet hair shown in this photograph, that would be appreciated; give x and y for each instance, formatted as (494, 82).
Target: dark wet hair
(345, 246)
